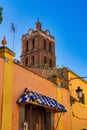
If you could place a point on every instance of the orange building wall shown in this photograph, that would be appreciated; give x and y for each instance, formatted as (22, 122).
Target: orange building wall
(1, 85)
(27, 79)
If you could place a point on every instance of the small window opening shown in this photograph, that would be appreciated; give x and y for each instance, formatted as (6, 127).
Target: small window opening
(49, 46)
(44, 44)
(32, 60)
(26, 45)
(33, 44)
(26, 61)
(50, 64)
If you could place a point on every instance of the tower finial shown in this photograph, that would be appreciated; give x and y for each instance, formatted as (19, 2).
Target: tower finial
(4, 41)
(38, 25)
(37, 19)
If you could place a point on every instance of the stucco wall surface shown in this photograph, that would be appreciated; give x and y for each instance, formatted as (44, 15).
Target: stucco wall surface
(22, 79)
(1, 84)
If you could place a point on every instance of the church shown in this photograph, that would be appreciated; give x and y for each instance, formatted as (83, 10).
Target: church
(34, 93)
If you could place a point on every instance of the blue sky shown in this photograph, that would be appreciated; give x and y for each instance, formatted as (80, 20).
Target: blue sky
(65, 19)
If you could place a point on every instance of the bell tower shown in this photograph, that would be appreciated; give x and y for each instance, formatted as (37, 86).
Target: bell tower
(38, 48)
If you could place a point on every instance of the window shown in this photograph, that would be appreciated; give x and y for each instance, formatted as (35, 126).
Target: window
(45, 60)
(32, 60)
(50, 63)
(33, 44)
(26, 61)
(49, 46)
(27, 45)
(44, 44)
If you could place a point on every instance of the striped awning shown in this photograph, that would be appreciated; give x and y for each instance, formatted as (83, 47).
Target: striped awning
(45, 101)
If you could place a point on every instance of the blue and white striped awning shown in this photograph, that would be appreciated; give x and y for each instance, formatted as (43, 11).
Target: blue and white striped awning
(31, 97)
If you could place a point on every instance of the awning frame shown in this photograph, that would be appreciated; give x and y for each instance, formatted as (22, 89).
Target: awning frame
(27, 95)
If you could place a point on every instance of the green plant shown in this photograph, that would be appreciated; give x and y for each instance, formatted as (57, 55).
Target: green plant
(1, 18)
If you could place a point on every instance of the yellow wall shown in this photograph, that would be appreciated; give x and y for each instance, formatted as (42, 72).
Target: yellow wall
(63, 97)
(1, 86)
(78, 110)
(7, 89)
(76, 116)
(59, 118)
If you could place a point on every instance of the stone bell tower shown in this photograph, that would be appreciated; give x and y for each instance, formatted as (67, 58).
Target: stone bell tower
(38, 48)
